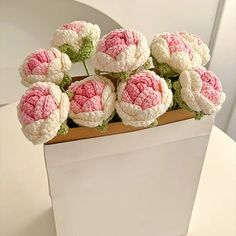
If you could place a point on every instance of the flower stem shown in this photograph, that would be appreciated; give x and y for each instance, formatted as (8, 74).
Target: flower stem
(86, 68)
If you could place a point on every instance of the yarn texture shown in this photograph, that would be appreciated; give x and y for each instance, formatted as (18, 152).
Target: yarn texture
(197, 45)
(121, 50)
(92, 101)
(142, 99)
(173, 51)
(201, 90)
(77, 39)
(45, 66)
(41, 111)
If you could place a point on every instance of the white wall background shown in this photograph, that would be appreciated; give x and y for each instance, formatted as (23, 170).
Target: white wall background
(27, 25)
(223, 63)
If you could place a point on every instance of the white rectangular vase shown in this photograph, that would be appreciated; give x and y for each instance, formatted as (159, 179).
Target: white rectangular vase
(141, 183)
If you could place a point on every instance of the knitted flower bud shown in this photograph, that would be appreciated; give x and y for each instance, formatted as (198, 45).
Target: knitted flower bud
(200, 90)
(92, 101)
(172, 54)
(121, 50)
(41, 111)
(197, 45)
(142, 99)
(77, 39)
(45, 65)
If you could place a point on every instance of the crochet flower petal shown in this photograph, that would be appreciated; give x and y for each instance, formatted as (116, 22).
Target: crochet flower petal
(197, 45)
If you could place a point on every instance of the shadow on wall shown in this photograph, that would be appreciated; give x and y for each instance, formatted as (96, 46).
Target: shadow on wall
(26, 26)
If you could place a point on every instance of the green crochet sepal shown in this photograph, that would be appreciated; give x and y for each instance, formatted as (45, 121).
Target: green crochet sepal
(97, 72)
(198, 115)
(163, 69)
(124, 75)
(64, 129)
(70, 94)
(66, 81)
(83, 54)
(177, 99)
(147, 65)
(121, 76)
(153, 124)
(169, 83)
(104, 126)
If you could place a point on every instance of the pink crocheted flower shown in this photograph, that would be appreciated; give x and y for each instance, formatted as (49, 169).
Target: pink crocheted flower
(92, 101)
(142, 98)
(173, 50)
(201, 90)
(42, 110)
(78, 39)
(197, 45)
(121, 50)
(45, 66)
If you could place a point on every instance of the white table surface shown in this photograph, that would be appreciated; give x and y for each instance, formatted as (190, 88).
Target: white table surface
(25, 207)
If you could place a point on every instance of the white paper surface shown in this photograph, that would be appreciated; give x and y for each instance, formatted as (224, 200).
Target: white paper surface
(137, 184)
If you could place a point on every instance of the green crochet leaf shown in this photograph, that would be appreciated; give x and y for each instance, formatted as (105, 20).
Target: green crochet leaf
(69, 94)
(64, 129)
(153, 124)
(97, 72)
(122, 76)
(104, 126)
(83, 54)
(198, 115)
(169, 83)
(163, 69)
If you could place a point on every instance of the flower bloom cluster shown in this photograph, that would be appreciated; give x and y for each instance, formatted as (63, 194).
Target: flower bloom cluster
(139, 96)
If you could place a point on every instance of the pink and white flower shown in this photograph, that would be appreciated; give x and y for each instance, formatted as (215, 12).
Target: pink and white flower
(142, 99)
(92, 101)
(45, 65)
(173, 50)
(78, 39)
(41, 111)
(201, 90)
(197, 45)
(121, 50)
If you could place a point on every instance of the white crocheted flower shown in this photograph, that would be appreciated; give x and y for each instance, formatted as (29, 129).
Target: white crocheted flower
(77, 39)
(142, 99)
(172, 50)
(41, 111)
(92, 101)
(197, 45)
(45, 65)
(121, 50)
(201, 90)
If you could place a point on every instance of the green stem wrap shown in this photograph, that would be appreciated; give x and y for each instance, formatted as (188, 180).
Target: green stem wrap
(86, 68)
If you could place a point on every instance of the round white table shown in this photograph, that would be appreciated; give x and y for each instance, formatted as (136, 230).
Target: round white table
(25, 206)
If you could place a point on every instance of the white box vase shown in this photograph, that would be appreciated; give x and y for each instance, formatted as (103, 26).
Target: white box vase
(140, 183)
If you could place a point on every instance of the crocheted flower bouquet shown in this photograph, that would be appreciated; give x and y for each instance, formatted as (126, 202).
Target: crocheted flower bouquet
(132, 83)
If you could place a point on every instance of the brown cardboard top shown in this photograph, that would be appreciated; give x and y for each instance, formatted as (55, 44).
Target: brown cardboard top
(117, 128)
